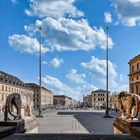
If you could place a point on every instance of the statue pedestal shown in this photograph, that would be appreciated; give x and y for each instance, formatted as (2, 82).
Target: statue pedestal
(18, 124)
(31, 124)
(127, 126)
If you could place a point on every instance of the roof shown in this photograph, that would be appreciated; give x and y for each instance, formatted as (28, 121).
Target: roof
(86, 96)
(9, 77)
(62, 96)
(100, 90)
(33, 85)
(133, 59)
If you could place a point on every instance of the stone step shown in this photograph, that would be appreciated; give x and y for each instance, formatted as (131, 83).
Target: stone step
(68, 137)
(7, 130)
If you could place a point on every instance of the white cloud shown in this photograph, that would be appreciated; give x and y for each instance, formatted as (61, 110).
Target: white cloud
(56, 62)
(53, 8)
(75, 77)
(60, 88)
(25, 43)
(128, 11)
(70, 35)
(44, 62)
(97, 68)
(80, 79)
(108, 18)
(122, 77)
(124, 87)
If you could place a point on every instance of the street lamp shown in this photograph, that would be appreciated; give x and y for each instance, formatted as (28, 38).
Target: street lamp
(107, 109)
(40, 110)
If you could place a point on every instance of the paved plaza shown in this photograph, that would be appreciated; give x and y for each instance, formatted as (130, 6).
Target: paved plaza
(77, 122)
(53, 123)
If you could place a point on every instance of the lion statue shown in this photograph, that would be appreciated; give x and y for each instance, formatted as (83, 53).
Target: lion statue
(19, 101)
(129, 104)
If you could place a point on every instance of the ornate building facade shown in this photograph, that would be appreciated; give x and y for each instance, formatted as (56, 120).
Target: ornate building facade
(45, 99)
(11, 84)
(134, 75)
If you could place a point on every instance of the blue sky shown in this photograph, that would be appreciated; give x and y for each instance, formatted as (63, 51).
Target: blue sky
(73, 42)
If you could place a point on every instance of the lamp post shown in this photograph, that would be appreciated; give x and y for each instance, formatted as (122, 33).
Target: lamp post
(107, 109)
(40, 110)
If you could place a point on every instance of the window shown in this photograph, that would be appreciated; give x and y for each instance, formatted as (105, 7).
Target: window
(2, 87)
(132, 69)
(137, 89)
(137, 78)
(1, 79)
(2, 98)
(137, 66)
(132, 90)
(5, 88)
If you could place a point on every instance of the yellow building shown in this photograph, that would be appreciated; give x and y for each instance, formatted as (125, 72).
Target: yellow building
(46, 98)
(11, 84)
(99, 98)
(114, 101)
(134, 75)
(87, 101)
(64, 101)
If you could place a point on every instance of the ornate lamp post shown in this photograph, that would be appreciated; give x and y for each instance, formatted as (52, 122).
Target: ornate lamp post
(107, 109)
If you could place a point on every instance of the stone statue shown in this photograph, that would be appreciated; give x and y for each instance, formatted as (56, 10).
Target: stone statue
(128, 103)
(26, 104)
(13, 99)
